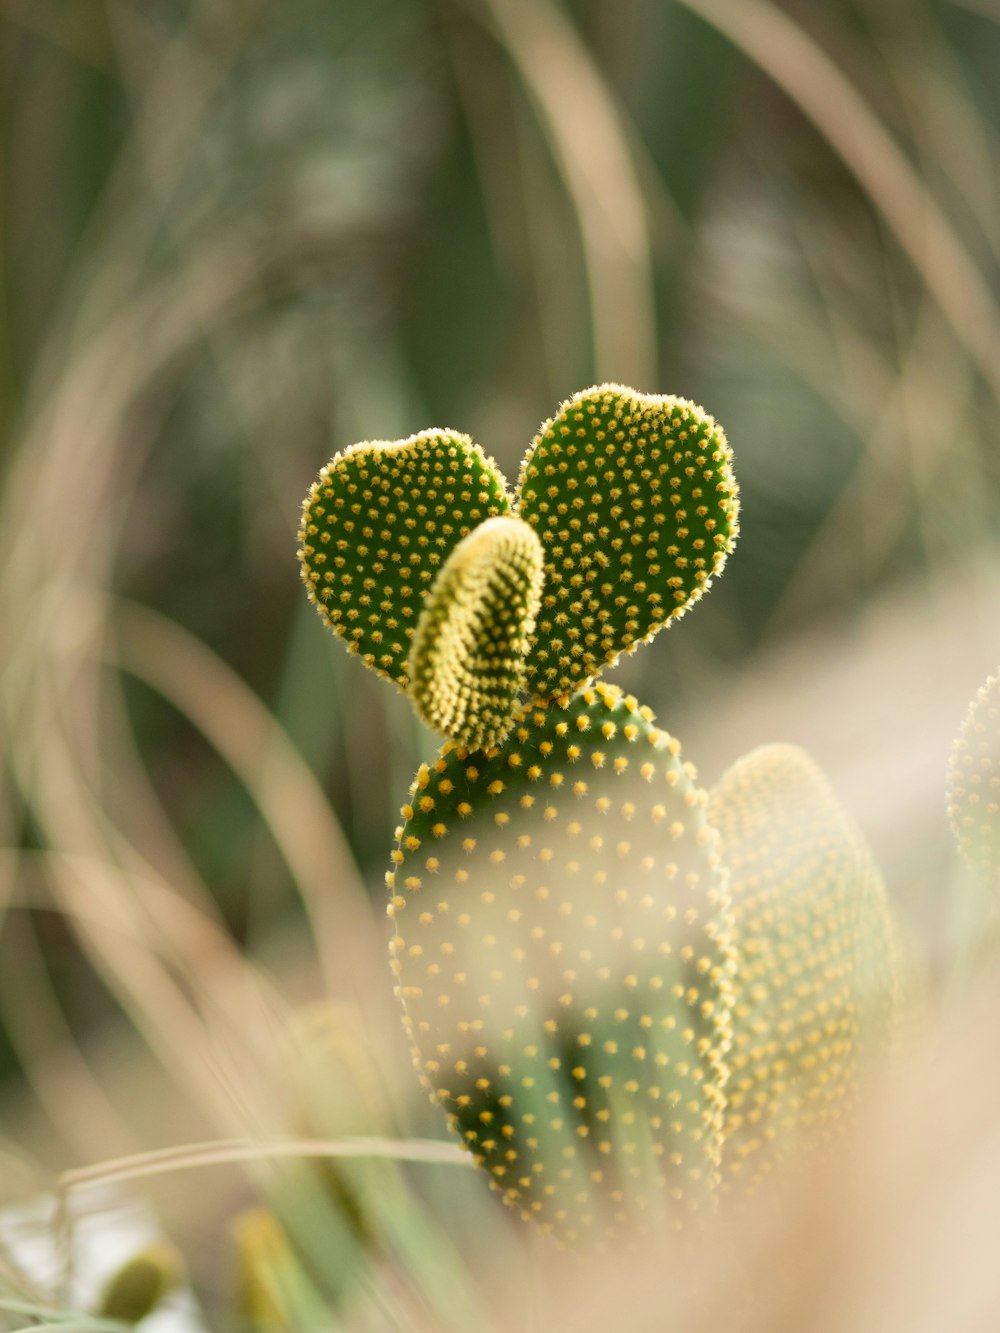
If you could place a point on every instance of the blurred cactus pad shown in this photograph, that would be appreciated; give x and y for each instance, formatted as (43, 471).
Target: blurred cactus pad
(816, 992)
(974, 783)
(627, 994)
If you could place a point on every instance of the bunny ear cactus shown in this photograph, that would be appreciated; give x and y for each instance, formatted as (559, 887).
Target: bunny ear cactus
(575, 973)
(633, 502)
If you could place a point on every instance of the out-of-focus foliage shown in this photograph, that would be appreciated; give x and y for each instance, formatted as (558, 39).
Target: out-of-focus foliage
(238, 236)
(142, 1284)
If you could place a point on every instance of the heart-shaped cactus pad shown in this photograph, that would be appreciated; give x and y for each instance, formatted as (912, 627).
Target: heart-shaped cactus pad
(633, 498)
(377, 525)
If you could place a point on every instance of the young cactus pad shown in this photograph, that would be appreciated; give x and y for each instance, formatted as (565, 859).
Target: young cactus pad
(633, 498)
(974, 782)
(563, 955)
(817, 981)
(377, 525)
(467, 662)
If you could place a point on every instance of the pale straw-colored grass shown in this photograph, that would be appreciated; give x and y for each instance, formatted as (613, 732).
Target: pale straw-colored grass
(798, 65)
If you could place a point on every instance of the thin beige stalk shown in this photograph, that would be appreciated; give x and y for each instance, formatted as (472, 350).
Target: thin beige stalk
(793, 60)
(201, 686)
(590, 143)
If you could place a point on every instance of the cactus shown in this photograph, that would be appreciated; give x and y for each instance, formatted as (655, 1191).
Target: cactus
(467, 663)
(816, 983)
(563, 952)
(632, 498)
(634, 501)
(576, 973)
(378, 523)
(974, 782)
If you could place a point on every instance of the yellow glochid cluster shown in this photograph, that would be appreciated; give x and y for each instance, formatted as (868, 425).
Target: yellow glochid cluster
(634, 501)
(467, 661)
(974, 783)
(564, 958)
(377, 525)
(817, 986)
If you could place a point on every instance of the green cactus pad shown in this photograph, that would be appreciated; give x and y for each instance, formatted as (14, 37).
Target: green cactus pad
(467, 661)
(974, 782)
(635, 504)
(377, 525)
(563, 956)
(816, 990)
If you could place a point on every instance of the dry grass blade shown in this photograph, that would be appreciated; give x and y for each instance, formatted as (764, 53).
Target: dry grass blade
(901, 438)
(210, 694)
(175, 1032)
(84, 1324)
(229, 989)
(190, 1157)
(67, 1321)
(952, 138)
(54, 1065)
(590, 143)
(48, 21)
(988, 8)
(814, 83)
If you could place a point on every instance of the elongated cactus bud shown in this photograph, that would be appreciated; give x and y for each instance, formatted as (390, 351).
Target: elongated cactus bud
(467, 663)
(334, 1090)
(974, 782)
(817, 986)
(633, 498)
(563, 957)
(273, 1293)
(377, 525)
(140, 1285)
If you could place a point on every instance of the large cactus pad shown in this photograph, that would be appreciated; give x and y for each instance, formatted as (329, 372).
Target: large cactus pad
(563, 957)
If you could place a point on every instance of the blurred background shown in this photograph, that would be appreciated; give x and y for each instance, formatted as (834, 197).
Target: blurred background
(236, 237)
